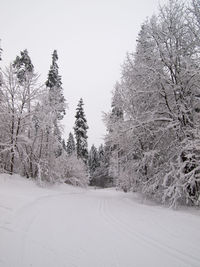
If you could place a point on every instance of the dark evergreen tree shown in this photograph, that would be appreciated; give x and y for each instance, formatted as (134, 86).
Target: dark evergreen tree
(100, 168)
(24, 67)
(57, 102)
(56, 97)
(93, 160)
(80, 129)
(70, 145)
(101, 152)
(117, 111)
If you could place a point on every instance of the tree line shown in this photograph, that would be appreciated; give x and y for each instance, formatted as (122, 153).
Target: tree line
(31, 135)
(152, 144)
(153, 125)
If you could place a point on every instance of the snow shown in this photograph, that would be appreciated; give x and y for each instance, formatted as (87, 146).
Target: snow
(65, 226)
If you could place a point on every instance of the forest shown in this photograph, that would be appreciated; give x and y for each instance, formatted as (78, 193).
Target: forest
(152, 145)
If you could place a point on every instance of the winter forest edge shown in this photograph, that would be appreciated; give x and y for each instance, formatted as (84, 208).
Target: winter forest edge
(152, 144)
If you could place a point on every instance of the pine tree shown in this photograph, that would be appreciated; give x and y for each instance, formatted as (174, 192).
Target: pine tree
(93, 160)
(70, 148)
(101, 153)
(57, 102)
(54, 84)
(117, 111)
(80, 129)
(99, 167)
(24, 67)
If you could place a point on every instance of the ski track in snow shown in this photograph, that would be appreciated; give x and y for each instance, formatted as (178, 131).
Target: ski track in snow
(69, 227)
(133, 233)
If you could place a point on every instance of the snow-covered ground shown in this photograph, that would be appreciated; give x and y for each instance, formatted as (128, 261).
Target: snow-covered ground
(72, 227)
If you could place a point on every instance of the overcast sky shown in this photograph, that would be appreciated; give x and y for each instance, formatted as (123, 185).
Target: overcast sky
(91, 37)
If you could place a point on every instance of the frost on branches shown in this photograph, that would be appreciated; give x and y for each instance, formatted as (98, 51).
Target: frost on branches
(155, 148)
(72, 170)
(31, 130)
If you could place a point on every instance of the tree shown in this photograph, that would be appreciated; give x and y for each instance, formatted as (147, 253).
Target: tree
(54, 84)
(114, 121)
(157, 143)
(93, 161)
(70, 145)
(56, 102)
(71, 170)
(24, 67)
(24, 70)
(18, 99)
(99, 169)
(80, 130)
(193, 17)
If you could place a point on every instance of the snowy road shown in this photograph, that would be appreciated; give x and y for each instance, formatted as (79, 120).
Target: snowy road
(65, 226)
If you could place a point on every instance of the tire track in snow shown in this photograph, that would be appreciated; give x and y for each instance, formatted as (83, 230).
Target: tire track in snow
(132, 232)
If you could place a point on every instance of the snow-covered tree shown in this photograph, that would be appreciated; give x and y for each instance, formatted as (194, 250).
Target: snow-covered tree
(56, 103)
(114, 121)
(93, 160)
(71, 170)
(54, 84)
(159, 95)
(27, 78)
(80, 130)
(18, 99)
(23, 66)
(102, 175)
(70, 148)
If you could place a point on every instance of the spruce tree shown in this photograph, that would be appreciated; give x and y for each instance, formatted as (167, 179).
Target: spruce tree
(93, 160)
(101, 152)
(57, 102)
(70, 145)
(24, 68)
(117, 111)
(54, 84)
(80, 129)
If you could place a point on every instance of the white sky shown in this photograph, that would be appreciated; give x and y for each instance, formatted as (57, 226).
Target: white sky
(91, 37)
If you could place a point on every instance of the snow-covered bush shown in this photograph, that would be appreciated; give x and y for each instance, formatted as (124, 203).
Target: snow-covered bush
(72, 170)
